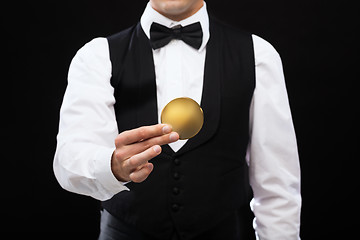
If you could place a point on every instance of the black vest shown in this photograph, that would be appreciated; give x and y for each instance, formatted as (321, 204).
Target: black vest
(193, 189)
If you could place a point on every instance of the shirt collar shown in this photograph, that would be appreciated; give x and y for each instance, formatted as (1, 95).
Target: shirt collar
(150, 15)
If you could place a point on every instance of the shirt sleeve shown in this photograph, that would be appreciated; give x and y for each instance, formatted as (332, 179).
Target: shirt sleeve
(87, 128)
(274, 169)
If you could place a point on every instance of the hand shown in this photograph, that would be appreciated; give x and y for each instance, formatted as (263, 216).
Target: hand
(134, 149)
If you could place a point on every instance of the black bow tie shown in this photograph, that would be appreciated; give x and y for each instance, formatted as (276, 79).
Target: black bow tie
(161, 35)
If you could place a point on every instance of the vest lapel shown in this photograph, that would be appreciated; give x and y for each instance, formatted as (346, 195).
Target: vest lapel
(147, 110)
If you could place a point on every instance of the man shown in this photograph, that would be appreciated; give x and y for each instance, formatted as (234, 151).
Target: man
(153, 185)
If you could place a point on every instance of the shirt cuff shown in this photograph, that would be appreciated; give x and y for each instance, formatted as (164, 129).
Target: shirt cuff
(104, 174)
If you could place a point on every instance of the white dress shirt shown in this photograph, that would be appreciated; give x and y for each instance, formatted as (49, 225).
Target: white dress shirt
(87, 129)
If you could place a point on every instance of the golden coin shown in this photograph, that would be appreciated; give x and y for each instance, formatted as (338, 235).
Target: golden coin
(184, 115)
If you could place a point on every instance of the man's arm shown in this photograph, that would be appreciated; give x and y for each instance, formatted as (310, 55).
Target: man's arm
(273, 158)
(91, 157)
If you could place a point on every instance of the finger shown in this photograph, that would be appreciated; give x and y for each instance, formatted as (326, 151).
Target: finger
(142, 158)
(141, 134)
(137, 148)
(161, 140)
(141, 174)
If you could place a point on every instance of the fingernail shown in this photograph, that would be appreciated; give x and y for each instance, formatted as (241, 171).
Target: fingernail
(166, 129)
(174, 137)
(150, 166)
(157, 149)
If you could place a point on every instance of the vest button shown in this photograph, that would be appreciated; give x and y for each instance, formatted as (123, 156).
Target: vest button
(176, 191)
(175, 207)
(176, 175)
(177, 161)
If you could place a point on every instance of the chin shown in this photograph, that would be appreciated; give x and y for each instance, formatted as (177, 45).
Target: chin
(176, 9)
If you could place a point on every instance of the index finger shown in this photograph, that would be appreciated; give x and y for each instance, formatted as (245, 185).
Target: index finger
(142, 133)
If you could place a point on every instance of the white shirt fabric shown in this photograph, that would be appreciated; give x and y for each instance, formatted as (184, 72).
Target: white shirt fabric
(87, 129)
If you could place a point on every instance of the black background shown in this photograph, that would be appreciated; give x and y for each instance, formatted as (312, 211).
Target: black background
(316, 40)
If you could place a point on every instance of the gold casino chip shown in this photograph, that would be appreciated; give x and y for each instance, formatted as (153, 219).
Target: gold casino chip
(184, 115)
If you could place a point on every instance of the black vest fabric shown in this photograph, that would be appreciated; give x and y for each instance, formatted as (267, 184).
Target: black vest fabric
(189, 191)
